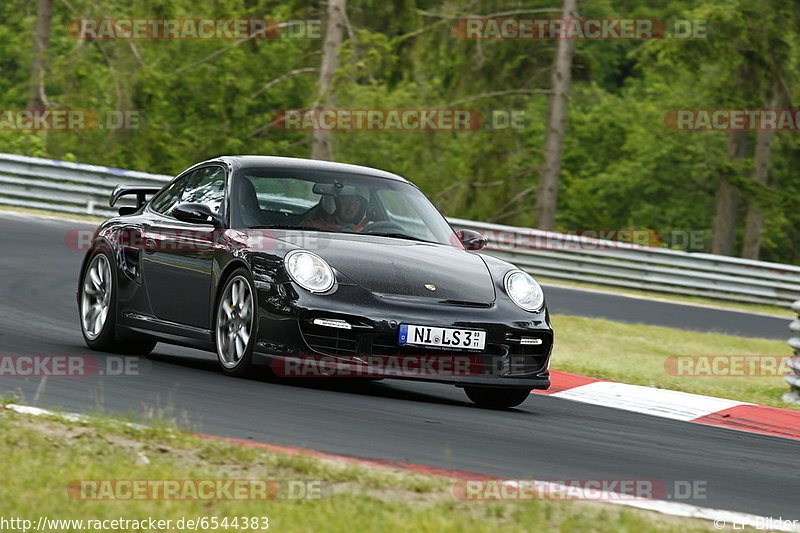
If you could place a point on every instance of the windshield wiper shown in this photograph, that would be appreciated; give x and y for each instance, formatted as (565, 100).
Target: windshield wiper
(399, 236)
(395, 235)
(291, 226)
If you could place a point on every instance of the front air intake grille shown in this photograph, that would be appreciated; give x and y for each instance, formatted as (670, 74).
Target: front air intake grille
(329, 341)
(525, 364)
(528, 358)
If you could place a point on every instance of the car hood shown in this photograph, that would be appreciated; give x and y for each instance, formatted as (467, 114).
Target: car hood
(399, 267)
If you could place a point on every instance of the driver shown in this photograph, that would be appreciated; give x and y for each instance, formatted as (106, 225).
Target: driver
(340, 212)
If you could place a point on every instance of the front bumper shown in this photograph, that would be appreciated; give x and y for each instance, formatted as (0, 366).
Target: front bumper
(287, 328)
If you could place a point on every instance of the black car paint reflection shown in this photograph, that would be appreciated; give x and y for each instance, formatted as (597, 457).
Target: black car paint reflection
(168, 284)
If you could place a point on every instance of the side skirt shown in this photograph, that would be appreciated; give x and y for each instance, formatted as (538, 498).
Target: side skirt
(169, 332)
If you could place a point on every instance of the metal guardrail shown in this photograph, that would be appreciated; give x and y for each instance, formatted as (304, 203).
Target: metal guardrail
(793, 378)
(84, 189)
(620, 264)
(65, 187)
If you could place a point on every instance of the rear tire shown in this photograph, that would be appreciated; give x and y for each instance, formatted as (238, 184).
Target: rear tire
(98, 310)
(496, 398)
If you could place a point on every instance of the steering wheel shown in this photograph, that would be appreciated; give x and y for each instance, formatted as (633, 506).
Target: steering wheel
(384, 226)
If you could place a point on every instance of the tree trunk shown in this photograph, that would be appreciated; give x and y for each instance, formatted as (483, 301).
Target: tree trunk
(727, 200)
(547, 192)
(321, 141)
(752, 226)
(41, 43)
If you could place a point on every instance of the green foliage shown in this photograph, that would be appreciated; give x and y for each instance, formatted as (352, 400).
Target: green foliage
(622, 166)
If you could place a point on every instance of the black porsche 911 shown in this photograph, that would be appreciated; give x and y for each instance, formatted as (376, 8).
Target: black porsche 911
(325, 269)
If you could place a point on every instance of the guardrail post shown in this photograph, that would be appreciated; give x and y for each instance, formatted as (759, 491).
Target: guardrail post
(794, 363)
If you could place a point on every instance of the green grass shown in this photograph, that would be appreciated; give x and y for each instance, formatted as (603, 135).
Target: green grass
(42, 455)
(45, 212)
(636, 354)
(672, 297)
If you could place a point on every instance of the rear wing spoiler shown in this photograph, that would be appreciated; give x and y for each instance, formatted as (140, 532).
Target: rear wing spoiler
(127, 190)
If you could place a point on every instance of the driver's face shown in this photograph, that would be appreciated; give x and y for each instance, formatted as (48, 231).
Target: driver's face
(349, 207)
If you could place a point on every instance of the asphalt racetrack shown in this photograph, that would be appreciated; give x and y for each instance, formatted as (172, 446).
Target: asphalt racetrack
(546, 438)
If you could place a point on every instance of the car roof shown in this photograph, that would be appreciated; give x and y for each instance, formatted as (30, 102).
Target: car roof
(246, 161)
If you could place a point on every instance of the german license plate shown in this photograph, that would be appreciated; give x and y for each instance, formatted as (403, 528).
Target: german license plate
(443, 337)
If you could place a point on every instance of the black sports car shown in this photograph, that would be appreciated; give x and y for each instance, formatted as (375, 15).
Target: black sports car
(324, 268)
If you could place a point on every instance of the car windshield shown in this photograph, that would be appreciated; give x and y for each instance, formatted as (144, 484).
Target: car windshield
(336, 202)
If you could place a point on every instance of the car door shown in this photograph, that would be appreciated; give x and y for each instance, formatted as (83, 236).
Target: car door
(178, 256)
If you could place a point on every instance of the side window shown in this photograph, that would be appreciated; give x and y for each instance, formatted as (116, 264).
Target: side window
(399, 211)
(396, 206)
(285, 195)
(205, 186)
(169, 197)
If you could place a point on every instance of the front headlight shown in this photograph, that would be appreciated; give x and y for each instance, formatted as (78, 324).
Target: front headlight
(309, 271)
(524, 291)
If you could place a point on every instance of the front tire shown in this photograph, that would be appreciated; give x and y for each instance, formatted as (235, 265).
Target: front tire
(98, 310)
(496, 398)
(236, 326)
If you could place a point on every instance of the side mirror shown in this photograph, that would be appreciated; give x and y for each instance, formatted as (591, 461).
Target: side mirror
(472, 240)
(196, 214)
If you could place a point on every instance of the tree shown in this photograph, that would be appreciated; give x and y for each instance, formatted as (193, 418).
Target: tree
(41, 42)
(321, 143)
(745, 66)
(621, 165)
(754, 219)
(727, 200)
(547, 192)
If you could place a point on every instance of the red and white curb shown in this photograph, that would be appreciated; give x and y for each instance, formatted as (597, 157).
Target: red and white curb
(676, 405)
(721, 517)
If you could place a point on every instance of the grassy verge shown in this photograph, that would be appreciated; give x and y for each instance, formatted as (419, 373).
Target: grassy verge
(43, 455)
(677, 298)
(44, 212)
(636, 354)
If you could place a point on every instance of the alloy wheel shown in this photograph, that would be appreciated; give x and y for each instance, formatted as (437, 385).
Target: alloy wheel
(234, 322)
(96, 296)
